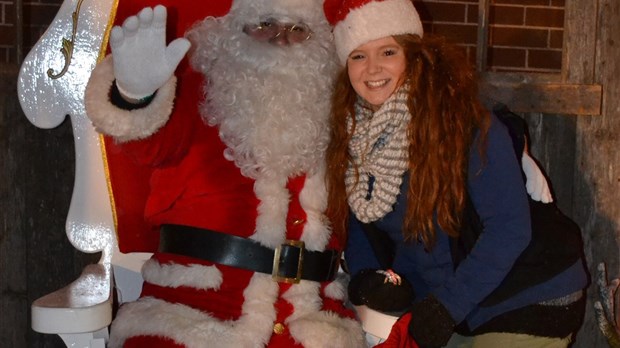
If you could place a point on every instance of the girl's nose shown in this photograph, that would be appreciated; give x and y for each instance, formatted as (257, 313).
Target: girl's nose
(374, 65)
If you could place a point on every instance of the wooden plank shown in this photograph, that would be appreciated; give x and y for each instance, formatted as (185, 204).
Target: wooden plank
(551, 98)
(579, 51)
(483, 34)
(13, 271)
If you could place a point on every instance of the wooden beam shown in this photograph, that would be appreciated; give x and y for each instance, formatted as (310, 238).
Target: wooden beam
(579, 51)
(483, 34)
(551, 98)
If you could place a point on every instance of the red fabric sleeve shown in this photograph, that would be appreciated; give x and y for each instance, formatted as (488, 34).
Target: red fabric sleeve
(399, 336)
(128, 174)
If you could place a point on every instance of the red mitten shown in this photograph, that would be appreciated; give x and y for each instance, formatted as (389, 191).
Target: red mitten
(399, 335)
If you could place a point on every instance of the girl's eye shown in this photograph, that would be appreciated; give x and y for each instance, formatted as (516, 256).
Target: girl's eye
(356, 56)
(389, 52)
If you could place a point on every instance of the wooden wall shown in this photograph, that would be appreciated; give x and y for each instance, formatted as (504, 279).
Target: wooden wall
(581, 153)
(596, 201)
(32, 16)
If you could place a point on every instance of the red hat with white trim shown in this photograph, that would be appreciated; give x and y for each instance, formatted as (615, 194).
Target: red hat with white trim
(357, 22)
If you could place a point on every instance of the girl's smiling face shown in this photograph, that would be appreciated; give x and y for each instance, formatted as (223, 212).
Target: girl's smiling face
(376, 70)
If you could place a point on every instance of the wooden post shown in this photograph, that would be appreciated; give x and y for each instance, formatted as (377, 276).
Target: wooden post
(597, 163)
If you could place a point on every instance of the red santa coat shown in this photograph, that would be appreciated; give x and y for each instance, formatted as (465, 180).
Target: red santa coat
(191, 302)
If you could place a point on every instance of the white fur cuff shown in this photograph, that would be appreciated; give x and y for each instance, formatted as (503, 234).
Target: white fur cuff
(125, 125)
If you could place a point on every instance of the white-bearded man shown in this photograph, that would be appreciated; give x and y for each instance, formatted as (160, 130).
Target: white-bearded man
(236, 173)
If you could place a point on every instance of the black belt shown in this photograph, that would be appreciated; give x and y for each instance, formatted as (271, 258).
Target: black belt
(288, 263)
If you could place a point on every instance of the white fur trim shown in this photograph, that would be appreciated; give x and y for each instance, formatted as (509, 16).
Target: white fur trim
(337, 289)
(304, 297)
(327, 330)
(313, 327)
(272, 210)
(317, 232)
(125, 125)
(313, 199)
(175, 275)
(194, 328)
(375, 20)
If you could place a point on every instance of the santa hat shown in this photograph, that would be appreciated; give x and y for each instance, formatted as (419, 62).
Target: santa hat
(357, 22)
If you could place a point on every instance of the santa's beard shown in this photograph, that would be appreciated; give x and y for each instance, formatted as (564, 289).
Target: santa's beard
(271, 103)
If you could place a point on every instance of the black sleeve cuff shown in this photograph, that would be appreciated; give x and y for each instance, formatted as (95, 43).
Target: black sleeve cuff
(117, 99)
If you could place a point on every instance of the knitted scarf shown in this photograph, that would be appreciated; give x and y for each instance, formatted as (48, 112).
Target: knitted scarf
(379, 149)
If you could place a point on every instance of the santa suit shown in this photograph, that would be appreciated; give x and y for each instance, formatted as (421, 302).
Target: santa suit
(193, 302)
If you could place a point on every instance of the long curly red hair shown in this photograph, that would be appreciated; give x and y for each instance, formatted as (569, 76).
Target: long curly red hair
(445, 114)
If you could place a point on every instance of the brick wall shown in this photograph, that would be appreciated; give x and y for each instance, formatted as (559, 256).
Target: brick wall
(456, 20)
(36, 16)
(7, 31)
(525, 35)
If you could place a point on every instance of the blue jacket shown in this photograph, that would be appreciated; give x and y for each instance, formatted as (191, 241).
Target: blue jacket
(498, 193)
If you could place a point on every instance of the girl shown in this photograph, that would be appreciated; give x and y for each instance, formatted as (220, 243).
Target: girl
(410, 145)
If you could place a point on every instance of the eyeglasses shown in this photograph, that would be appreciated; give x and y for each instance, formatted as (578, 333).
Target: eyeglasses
(274, 31)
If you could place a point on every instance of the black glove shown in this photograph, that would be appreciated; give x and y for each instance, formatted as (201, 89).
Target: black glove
(431, 325)
(369, 287)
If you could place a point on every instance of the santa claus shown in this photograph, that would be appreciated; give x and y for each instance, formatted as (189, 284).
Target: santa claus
(236, 189)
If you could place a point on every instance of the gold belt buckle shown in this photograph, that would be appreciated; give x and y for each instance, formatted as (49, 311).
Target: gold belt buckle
(276, 262)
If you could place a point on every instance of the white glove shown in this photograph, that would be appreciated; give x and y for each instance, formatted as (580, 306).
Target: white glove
(536, 183)
(142, 62)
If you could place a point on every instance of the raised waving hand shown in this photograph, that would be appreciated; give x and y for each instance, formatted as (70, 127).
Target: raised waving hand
(142, 60)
